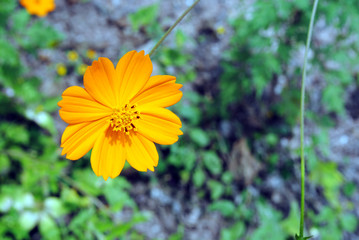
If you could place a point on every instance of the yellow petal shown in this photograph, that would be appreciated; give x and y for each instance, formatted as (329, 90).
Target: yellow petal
(141, 152)
(160, 91)
(158, 80)
(78, 139)
(99, 81)
(159, 125)
(133, 71)
(78, 106)
(108, 154)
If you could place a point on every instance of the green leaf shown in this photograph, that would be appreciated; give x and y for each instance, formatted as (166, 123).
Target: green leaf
(225, 207)
(4, 164)
(48, 228)
(20, 19)
(349, 222)
(270, 227)
(28, 220)
(144, 17)
(199, 137)
(234, 232)
(7, 6)
(43, 119)
(199, 177)
(54, 207)
(117, 201)
(16, 133)
(333, 98)
(327, 175)
(181, 38)
(212, 162)
(39, 35)
(216, 188)
(8, 54)
(291, 223)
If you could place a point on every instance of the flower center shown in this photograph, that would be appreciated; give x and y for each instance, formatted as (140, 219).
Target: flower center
(122, 119)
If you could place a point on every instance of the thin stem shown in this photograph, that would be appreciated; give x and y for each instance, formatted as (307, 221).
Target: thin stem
(172, 27)
(302, 101)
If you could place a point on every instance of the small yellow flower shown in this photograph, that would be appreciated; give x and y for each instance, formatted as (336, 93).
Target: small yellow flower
(91, 54)
(72, 56)
(81, 69)
(221, 30)
(61, 69)
(38, 7)
(119, 114)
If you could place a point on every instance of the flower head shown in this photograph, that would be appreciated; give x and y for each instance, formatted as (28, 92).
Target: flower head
(61, 69)
(38, 7)
(119, 114)
(72, 56)
(91, 54)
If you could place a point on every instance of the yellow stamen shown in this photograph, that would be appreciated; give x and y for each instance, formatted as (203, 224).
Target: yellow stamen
(122, 119)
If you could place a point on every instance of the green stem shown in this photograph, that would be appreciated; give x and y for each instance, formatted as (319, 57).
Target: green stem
(172, 27)
(302, 101)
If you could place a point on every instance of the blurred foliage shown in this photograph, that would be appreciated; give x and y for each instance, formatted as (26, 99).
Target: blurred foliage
(43, 196)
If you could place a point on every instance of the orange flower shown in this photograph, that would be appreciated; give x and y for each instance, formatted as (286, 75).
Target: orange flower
(120, 113)
(38, 7)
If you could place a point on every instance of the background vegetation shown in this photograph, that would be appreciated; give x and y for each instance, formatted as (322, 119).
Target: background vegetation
(234, 174)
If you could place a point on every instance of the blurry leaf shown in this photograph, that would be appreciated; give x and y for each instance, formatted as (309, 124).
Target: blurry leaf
(23, 201)
(269, 224)
(327, 175)
(5, 203)
(199, 137)
(199, 177)
(28, 220)
(43, 119)
(54, 207)
(291, 223)
(179, 235)
(349, 189)
(349, 222)
(81, 219)
(85, 180)
(174, 57)
(182, 156)
(71, 197)
(271, 139)
(16, 133)
(48, 228)
(8, 54)
(227, 178)
(216, 188)
(39, 35)
(190, 112)
(50, 105)
(333, 98)
(116, 193)
(7, 6)
(144, 16)
(4, 164)
(303, 5)
(225, 207)
(20, 19)
(181, 38)
(236, 231)
(212, 162)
